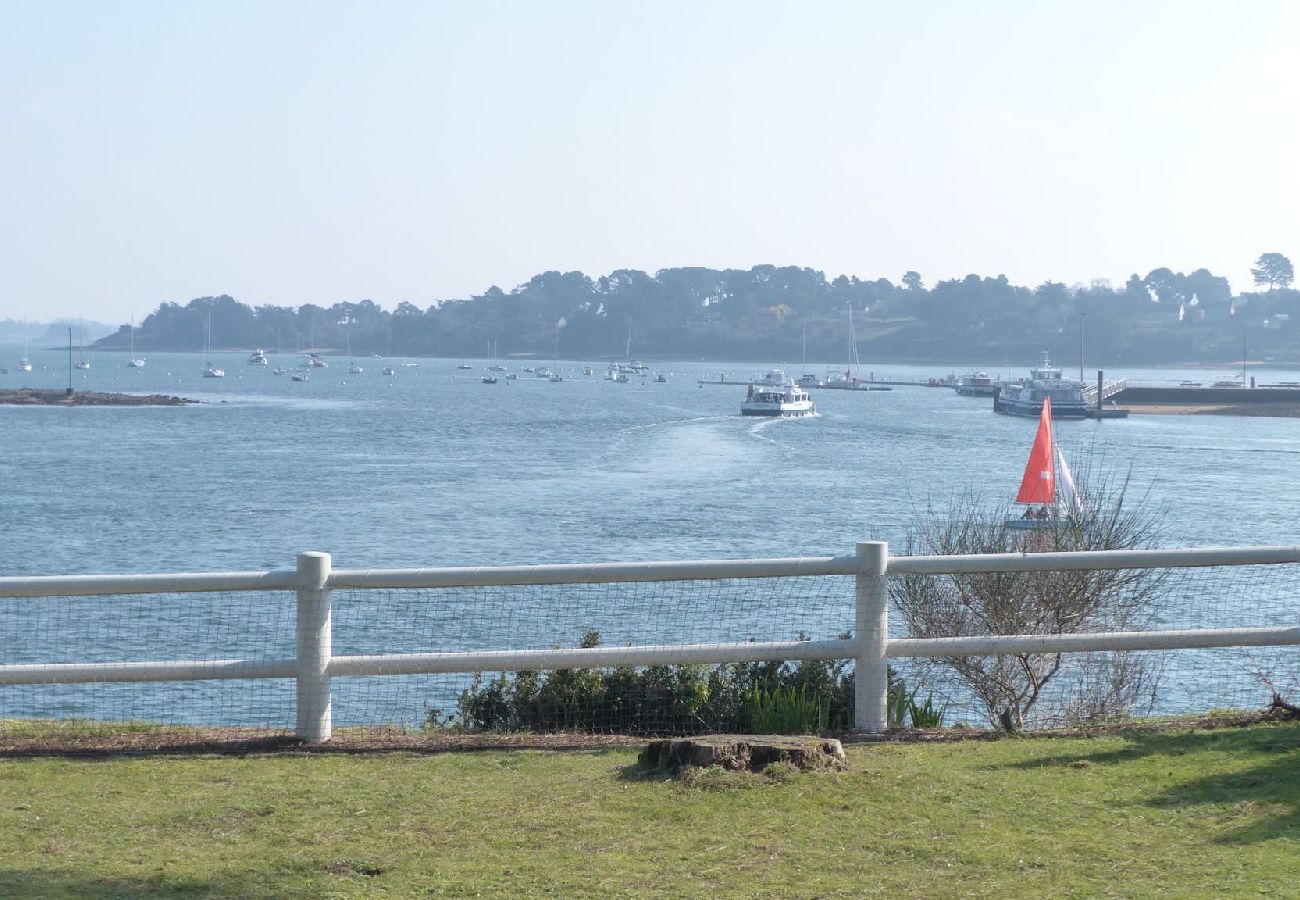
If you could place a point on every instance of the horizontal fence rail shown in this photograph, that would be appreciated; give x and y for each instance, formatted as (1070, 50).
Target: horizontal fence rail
(315, 664)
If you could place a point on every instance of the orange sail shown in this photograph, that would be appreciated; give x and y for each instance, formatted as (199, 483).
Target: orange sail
(1039, 483)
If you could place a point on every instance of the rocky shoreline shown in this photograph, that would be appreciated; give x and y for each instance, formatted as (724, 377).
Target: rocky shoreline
(50, 397)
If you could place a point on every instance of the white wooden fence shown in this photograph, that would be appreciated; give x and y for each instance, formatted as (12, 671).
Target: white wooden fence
(870, 647)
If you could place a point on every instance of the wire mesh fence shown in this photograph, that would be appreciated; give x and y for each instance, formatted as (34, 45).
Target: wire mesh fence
(1096, 686)
(200, 628)
(209, 627)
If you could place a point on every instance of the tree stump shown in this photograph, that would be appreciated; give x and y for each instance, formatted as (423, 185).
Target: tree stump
(752, 752)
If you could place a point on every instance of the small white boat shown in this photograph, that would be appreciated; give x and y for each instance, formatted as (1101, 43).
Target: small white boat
(788, 400)
(465, 366)
(316, 362)
(355, 369)
(301, 376)
(24, 365)
(278, 370)
(211, 371)
(83, 364)
(489, 379)
(389, 370)
(660, 379)
(556, 378)
(257, 357)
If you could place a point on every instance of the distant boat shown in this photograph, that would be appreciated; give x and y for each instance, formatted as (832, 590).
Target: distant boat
(257, 357)
(82, 361)
(465, 366)
(489, 379)
(976, 384)
(209, 370)
(389, 370)
(134, 362)
(301, 376)
(24, 364)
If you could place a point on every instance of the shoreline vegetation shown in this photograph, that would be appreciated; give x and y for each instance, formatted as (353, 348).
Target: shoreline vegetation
(62, 397)
(773, 312)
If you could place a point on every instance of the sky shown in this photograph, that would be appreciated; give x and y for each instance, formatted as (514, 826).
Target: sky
(295, 152)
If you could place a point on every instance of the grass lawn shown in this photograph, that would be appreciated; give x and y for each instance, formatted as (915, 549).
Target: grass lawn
(1131, 814)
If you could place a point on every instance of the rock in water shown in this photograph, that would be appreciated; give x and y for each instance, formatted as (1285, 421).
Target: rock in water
(753, 752)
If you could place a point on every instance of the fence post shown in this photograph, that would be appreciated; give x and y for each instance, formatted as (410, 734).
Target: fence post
(314, 648)
(871, 626)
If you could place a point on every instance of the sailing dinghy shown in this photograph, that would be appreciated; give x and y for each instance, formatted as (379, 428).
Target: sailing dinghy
(1038, 486)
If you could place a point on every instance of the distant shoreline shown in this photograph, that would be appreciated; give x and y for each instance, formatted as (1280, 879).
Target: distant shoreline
(60, 397)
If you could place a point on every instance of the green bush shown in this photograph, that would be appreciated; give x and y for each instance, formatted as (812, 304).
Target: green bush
(675, 699)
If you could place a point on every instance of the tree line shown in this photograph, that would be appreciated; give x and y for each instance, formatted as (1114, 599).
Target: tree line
(777, 312)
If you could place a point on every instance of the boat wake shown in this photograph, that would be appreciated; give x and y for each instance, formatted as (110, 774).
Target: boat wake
(759, 427)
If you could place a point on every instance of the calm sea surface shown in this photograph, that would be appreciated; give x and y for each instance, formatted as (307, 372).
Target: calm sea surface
(433, 467)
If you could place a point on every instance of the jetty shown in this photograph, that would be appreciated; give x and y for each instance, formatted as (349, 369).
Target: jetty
(1264, 400)
(64, 397)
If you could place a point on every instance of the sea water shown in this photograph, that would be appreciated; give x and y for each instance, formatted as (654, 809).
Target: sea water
(432, 467)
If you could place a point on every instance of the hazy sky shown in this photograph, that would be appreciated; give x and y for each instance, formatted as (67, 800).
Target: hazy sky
(289, 152)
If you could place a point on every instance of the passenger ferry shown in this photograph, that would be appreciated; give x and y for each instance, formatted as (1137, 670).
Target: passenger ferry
(1025, 397)
(785, 400)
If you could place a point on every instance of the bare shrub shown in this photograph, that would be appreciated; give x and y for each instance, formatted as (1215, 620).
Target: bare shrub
(1009, 687)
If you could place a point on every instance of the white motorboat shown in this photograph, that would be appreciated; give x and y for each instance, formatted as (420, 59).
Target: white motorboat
(257, 357)
(355, 369)
(489, 379)
(316, 362)
(389, 370)
(787, 400)
(300, 376)
(976, 384)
